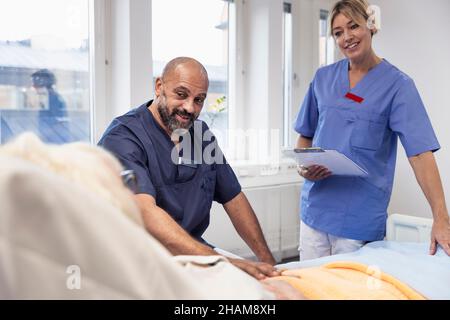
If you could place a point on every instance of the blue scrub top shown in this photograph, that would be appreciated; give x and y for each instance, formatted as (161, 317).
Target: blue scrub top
(366, 132)
(185, 191)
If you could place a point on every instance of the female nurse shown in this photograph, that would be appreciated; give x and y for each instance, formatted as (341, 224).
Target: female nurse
(360, 106)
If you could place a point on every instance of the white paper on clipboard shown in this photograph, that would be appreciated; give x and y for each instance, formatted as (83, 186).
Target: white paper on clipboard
(335, 161)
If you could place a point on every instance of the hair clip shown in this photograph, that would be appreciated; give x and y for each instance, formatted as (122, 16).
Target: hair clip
(374, 20)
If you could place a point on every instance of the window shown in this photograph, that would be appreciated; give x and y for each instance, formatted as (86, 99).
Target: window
(326, 42)
(198, 29)
(287, 73)
(44, 69)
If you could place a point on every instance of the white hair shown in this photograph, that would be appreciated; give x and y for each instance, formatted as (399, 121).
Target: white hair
(90, 167)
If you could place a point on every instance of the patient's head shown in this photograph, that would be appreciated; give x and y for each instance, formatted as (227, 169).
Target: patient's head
(90, 167)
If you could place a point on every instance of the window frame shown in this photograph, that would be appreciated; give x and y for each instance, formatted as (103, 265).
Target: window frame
(229, 87)
(98, 67)
(287, 72)
(329, 50)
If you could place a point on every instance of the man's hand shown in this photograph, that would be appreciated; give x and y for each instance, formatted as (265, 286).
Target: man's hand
(440, 234)
(258, 270)
(314, 172)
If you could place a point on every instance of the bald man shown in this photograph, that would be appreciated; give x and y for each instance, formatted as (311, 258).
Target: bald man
(176, 187)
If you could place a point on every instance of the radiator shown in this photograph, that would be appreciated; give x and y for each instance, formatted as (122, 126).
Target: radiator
(275, 200)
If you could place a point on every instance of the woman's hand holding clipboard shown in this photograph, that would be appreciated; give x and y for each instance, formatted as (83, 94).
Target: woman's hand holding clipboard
(317, 164)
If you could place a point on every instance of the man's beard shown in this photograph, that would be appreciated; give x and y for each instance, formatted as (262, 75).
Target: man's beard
(169, 119)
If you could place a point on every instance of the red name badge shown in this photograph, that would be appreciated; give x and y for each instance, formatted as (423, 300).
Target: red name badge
(354, 97)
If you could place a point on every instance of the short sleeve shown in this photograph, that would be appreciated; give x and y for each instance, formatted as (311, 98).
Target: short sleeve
(126, 147)
(306, 122)
(409, 119)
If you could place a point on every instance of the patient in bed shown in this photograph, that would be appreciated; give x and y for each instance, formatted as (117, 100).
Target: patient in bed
(70, 229)
(66, 206)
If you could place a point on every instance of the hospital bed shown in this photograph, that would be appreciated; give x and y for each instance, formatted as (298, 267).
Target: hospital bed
(405, 228)
(403, 255)
(50, 227)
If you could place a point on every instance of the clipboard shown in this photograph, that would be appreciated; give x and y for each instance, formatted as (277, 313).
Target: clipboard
(336, 162)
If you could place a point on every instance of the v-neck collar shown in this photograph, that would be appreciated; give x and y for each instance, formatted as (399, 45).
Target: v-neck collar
(362, 84)
(150, 119)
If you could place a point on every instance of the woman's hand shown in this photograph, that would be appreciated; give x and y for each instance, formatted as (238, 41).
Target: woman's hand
(440, 234)
(314, 172)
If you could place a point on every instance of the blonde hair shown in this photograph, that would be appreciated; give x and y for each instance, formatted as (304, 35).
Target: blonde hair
(355, 10)
(90, 167)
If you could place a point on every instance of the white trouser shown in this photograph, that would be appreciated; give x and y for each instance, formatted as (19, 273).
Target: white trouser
(315, 244)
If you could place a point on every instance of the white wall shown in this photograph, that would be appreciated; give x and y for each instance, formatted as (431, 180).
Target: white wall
(129, 69)
(303, 52)
(260, 87)
(415, 38)
(306, 15)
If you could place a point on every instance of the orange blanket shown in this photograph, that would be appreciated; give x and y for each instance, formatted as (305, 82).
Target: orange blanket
(348, 280)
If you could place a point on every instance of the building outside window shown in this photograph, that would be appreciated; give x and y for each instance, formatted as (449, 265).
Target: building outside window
(44, 69)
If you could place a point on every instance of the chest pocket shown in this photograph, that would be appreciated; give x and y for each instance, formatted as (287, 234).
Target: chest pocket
(334, 128)
(369, 130)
